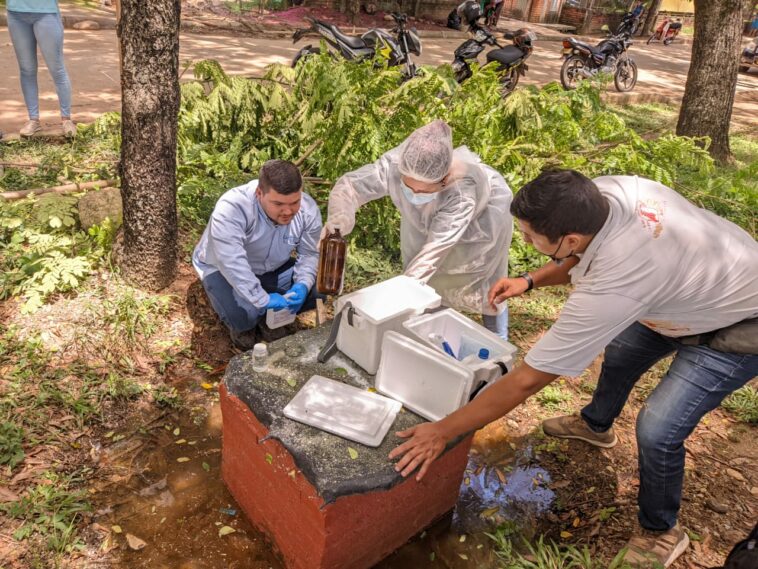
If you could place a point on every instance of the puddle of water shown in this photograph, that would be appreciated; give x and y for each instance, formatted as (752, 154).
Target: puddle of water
(500, 487)
(177, 508)
(492, 495)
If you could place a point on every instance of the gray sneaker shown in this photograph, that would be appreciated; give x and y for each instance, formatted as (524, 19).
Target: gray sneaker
(574, 427)
(30, 128)
(69, 128)
(651, 550)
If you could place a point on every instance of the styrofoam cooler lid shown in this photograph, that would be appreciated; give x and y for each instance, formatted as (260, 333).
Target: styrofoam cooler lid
(426, 381)
(389, 298)
(343, 410)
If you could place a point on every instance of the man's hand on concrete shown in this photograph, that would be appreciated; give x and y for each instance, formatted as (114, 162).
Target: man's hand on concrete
(426, 443)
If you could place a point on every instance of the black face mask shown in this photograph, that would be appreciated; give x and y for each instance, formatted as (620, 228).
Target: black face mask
(557, 260)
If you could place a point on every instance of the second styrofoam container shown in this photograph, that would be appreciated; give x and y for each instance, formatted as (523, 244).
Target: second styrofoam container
(462, 333)
(378, 309)
(421, 378)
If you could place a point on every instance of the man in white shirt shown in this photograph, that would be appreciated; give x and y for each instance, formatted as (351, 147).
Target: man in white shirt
(653, 275)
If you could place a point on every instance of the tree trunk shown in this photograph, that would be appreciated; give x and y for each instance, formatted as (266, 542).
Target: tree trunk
(650, 17)
(149, 47)
(712, 78)
(587, 24)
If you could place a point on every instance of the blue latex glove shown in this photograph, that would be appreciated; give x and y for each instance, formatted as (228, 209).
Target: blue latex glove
(295, 297)
(276, 301)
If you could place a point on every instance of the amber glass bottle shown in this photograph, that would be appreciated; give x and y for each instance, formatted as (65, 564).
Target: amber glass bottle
(331, 264)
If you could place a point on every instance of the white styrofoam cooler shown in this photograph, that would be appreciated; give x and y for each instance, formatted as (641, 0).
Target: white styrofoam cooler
(425, 382)
(463, 333)
(378, 309)
(417, 372)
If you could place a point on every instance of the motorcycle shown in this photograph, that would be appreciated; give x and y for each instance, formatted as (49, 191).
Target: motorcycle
(582, 61)
(510, 59)
(396, 45)
(666, 31)
(629, 25)
(749, 57)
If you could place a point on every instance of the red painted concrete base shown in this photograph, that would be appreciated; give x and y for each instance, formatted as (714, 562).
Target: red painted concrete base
(355, 531)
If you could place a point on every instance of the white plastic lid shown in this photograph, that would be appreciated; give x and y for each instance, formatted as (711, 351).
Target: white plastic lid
(343, 410)
(427, 381)
(389, 298)
(260, 350)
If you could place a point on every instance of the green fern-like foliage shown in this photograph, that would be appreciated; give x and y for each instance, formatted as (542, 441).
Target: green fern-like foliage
(42, 251)
(332, 116)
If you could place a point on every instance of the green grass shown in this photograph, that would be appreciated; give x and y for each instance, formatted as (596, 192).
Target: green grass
(11, 439)
(133, 315)
(119, 386)
(548, 555)
(167, 397)
(243, 6)
(743, 404)
(653, 118)
(552, 397)
(50, 509)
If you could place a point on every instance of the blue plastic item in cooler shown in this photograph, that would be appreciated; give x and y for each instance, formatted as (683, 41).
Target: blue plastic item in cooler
(437, 338)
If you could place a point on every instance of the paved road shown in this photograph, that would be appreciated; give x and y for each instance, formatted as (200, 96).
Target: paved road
(92, 61)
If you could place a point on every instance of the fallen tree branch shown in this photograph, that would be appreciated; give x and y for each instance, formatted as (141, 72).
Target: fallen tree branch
(308, 151)
(43, 134)
(20, 165)
(318, 181)
(65, 189)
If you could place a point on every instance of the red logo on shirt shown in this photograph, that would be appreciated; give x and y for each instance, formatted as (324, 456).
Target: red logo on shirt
(651, 216)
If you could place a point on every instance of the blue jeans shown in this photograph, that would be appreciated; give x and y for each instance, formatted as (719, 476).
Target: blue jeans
(497, 324)
(27, 30)
(238, 314)
(697, 381)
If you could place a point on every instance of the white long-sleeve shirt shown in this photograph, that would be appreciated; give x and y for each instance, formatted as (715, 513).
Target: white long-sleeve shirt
(241, 241)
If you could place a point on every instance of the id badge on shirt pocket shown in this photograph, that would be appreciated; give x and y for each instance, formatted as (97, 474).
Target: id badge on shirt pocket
(292, 240)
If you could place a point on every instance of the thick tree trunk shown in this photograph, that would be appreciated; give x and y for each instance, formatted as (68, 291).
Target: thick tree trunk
(709, 93)
(650, 16)
(149, 41)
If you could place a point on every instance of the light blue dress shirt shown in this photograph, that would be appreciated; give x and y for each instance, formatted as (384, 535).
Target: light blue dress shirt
(241, 241)
(35, 6)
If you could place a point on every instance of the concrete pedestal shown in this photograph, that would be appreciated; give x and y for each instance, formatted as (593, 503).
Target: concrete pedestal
(301, 487)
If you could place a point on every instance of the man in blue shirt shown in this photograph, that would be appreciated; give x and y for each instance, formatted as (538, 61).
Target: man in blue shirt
(245, 256)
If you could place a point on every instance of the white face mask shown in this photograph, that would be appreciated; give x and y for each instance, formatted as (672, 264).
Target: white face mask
(414, 198)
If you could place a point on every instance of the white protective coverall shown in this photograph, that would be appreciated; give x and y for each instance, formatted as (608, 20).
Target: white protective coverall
(457, 243)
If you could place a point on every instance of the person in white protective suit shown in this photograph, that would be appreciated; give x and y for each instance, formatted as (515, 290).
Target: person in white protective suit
(456, 226)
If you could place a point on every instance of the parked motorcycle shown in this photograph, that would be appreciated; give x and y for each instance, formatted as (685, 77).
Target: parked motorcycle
(629, 25)
(510, 59)
(749, 57)
(666, 31)
(582, 61)
(396, 45)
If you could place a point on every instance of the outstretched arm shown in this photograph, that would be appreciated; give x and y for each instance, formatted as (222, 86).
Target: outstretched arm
(427, 441)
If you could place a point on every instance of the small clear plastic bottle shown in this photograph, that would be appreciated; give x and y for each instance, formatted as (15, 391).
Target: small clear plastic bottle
(260, 357)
